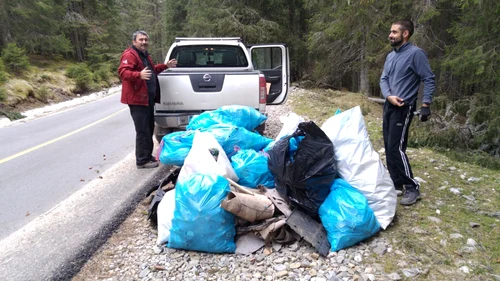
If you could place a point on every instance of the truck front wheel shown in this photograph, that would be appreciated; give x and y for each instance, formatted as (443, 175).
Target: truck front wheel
(261, 128)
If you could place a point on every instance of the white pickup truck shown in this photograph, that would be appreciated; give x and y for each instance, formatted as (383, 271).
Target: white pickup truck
(212, 72)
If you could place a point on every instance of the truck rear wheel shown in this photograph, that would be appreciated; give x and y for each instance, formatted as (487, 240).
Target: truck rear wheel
(160, 132)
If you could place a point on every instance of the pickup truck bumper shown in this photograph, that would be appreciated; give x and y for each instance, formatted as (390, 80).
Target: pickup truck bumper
(174, 120)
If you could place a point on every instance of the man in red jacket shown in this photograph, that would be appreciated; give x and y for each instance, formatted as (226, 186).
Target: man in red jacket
(140, 90)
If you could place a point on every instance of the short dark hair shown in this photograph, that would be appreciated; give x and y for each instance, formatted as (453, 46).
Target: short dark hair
(134, 36)
(405, 25)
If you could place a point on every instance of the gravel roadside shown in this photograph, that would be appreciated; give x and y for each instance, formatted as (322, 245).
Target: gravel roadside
(131, 253)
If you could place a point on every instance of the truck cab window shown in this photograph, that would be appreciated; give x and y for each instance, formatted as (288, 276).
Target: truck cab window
(267, 58)
(209, 56)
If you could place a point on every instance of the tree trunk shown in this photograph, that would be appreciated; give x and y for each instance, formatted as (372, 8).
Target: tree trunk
(364, 82)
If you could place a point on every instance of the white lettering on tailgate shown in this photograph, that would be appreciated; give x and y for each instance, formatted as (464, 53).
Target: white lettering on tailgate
(173, 103)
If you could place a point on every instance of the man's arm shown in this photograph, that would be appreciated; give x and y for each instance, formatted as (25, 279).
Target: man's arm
(384, 81)
(127, 69)
(423, 69)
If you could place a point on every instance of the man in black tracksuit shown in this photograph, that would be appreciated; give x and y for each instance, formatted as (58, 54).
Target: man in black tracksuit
(404, 69)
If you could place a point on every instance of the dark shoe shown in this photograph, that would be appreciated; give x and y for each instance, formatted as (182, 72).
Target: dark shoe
(148, 165)
(411, 196)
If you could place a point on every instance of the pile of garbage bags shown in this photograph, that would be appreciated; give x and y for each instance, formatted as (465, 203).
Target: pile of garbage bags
(236, 191)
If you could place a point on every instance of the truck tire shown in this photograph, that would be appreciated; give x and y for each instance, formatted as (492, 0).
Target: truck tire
(160, 132)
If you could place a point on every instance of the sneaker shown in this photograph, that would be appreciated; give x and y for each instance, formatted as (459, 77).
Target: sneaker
(410, 197)
(148, 165)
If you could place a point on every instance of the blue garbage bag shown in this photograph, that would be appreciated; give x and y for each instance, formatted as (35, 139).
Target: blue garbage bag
(346, 216)
(236, 115)
(174, 147)
(199, 222)
(233, 138)
(251, 168)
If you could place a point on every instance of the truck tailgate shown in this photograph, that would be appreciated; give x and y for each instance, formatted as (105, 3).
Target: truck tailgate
(188, 91)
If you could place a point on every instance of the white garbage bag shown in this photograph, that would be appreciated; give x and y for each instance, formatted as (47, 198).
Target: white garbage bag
(165, 214)
(360, 165)
(201, 161)
(290, 123)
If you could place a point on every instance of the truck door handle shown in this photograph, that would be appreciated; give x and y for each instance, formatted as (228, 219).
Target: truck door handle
(273, 77)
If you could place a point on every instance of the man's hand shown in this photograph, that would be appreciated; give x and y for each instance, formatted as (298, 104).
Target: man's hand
(172, 63)
(396, 101)
(425, 112)
(145, 74)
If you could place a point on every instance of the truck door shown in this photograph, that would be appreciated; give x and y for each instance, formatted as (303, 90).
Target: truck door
(273, 61)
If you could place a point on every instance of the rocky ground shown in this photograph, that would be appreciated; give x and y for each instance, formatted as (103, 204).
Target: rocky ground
(412, 247)
(131, 254)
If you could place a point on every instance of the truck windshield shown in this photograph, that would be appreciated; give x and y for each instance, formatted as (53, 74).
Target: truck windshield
(209, 56)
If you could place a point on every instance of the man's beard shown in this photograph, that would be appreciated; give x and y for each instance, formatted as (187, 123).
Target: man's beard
(397, 42)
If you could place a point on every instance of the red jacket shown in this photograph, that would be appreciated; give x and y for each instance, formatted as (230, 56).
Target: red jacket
(134, 89)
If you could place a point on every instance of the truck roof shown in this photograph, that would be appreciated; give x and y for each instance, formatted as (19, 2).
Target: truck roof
(211, 39)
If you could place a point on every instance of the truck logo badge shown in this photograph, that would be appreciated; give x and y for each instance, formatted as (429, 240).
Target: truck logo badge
(207, 77)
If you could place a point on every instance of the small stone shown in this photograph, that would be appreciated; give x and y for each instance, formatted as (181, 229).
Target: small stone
(394, 276)
(279, 260)
(313, 272)
(411, 272)
(465, 269)
(295, 265)
(340, 259)
(157, 250)
(469, 197)
(318, 279)
(418, 230)
(452, 168)
(474, 224)
(358, 258)
(144, 273)
(455, 191)
(468, 249)
(471, 242)
(434, 219)
(456, 236)
(282, 273)
(280, 267)
(315, 256)
(420, 180)
(473, 179)
(380, 250)
(402, 264)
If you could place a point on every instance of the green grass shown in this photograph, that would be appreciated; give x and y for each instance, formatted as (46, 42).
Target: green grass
(427, 244)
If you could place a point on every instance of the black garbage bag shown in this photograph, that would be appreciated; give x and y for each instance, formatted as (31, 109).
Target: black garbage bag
(304, 176)
(153, 206)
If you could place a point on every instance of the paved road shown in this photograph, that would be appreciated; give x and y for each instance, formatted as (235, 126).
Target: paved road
(67, 181)
(45, 160)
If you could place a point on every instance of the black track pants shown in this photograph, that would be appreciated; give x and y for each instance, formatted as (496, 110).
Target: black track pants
(396, 123)
(143, 117)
